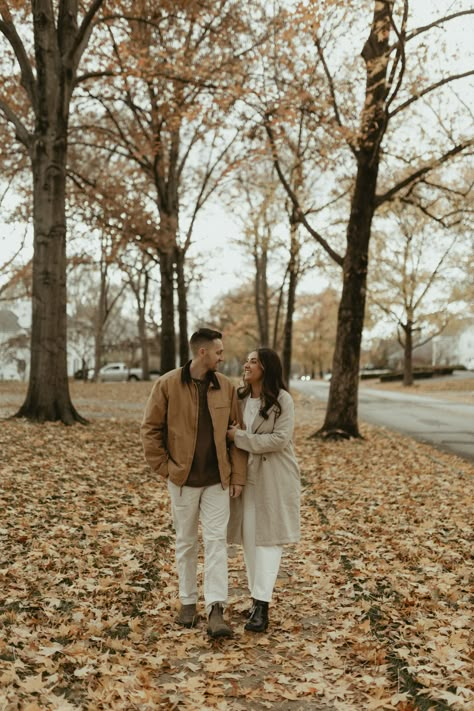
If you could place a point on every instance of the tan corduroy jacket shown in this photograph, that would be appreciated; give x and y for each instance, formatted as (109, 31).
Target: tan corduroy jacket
(169, 427)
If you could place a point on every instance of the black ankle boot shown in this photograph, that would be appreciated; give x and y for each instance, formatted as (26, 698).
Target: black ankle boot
(258, 620)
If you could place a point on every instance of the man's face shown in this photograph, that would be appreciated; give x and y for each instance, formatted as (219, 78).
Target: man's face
(213, 354)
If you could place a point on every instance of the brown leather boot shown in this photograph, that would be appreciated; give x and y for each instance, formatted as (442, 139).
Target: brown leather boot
(187, 616)
(217, 626)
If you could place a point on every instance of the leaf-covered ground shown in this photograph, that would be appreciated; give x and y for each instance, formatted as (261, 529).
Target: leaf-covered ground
(373, 609)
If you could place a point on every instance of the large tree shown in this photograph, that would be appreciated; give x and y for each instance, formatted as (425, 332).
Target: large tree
(177, 74)
(47, 42)
(104, 197)
(315, 331)
(386, 163)
(413, 262)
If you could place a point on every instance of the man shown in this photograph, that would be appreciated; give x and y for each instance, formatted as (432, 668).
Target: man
(184, 439)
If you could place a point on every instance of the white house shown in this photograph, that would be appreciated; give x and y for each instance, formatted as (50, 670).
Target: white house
(15, 330)
(466, 347)
(14, 345)
(455, 348)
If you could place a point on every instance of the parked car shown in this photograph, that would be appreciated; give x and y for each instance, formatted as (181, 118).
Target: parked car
(120, 372)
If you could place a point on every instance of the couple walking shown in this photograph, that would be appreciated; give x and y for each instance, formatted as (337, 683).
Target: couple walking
(228, 459)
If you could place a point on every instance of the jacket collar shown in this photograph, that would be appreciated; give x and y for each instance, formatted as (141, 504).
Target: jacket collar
(186, 378)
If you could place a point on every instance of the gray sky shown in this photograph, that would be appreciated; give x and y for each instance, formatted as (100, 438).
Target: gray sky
(216, 232)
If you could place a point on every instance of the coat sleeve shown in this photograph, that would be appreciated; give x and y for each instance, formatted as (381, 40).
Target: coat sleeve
(276, 441)
(238, 457)
(153, 429)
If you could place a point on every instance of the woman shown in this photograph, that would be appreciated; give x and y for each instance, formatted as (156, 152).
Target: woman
(267, 515)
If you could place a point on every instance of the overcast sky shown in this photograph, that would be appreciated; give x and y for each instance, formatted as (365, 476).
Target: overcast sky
(216, 233)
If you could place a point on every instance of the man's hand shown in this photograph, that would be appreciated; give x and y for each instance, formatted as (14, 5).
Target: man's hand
(231, 431)
(235, 490)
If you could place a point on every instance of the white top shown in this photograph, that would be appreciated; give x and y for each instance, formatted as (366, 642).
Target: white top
(252, 406)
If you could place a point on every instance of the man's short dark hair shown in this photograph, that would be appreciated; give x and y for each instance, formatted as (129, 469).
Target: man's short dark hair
(202, 336)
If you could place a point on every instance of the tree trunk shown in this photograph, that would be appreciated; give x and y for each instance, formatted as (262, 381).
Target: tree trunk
(100, 318)
(408, 354)
(142, 329)
(58, 44)
(182, 308)
(276, 325)
(48, 398)
(341, 413)
(290, 307)
(261, 294)
(168, 342)
(145, 359)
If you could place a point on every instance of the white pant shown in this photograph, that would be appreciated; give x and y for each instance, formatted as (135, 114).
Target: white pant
(210, 505)
(262, 562)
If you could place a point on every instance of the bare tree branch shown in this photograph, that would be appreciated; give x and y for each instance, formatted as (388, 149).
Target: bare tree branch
(410, 179)
(8, 29)
(426, 211)
(332, 91)
(21, 131)
(429, 89)
(84, 32)
(400, 56)
(300, 214)
(434, 273)
(437, 23)
(92, 75)
(132, 150)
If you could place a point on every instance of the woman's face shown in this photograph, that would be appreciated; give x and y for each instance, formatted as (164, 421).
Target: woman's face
(253, 371)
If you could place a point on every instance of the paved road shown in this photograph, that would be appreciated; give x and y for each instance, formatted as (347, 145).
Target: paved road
(447, 425)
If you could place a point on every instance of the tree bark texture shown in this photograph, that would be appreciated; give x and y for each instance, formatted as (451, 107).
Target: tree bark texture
(341, 414)
(100, 318)
(166, 182)
(142, 335)
(48, 396)
(261, 293)
(182, 293)
(290, 304)
(168, 340)
(408, 353)
(145, 359)
(278, 312)
(57, 52)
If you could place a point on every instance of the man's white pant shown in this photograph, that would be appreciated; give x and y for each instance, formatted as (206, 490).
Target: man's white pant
(210, 505)
(262, 562)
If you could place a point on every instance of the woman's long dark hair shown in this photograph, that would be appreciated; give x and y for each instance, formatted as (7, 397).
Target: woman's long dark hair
(272, 381)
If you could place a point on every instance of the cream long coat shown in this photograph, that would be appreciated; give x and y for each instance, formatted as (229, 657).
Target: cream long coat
(272, 465)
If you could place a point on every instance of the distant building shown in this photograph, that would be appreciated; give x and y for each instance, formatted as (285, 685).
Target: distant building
(466, 347)
(14, 346)
(455, 347)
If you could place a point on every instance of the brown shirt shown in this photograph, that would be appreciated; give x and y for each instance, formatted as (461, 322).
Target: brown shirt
(205, 467)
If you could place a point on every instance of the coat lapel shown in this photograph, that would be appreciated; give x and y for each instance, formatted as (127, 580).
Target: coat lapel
(258, 419)
(266, 424)
(257, 423)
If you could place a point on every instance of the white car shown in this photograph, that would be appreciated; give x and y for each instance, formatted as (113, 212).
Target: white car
(120, 372)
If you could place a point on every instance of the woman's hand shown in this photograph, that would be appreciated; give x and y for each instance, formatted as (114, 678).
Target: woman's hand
(231, 431)
(235, 490)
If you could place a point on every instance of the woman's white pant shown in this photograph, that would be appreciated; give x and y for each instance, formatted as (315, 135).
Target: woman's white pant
(210, 505)
(262, 562)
